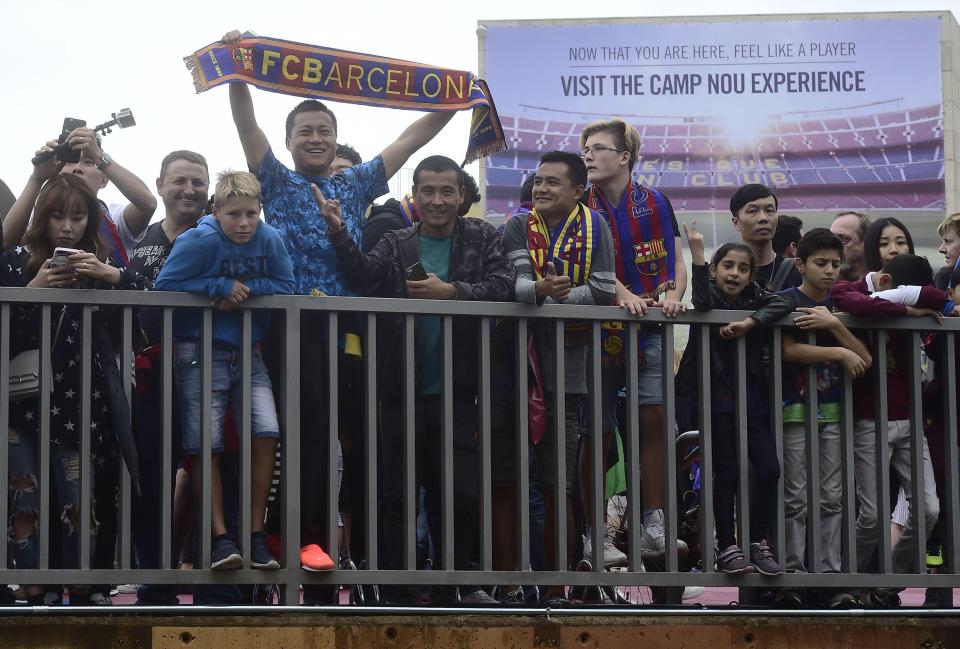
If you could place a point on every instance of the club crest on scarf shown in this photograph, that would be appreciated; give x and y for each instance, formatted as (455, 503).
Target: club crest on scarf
(643, 238)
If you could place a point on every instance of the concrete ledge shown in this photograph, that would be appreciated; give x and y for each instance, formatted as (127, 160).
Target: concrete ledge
(488, 632)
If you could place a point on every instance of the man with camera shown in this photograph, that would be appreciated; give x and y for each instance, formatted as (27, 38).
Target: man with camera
(124, 224)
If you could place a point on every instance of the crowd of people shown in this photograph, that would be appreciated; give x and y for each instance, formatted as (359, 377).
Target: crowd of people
(585, 233)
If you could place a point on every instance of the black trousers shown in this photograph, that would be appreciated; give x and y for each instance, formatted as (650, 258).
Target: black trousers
(762, 453)
(429, 463)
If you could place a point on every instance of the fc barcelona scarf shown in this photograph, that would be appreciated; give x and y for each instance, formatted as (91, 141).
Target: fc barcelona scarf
(315, 72)
(643, 239)
(572, 250)
(408, 210)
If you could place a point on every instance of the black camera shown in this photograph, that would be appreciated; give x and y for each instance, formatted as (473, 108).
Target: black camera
(63, 151)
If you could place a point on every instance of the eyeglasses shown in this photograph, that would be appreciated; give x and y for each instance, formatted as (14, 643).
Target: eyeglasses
(597, 149)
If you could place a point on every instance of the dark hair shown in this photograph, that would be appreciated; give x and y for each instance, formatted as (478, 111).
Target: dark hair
(63, 194)
(748, 194)
(954, 278)
(818, 239)
(437, 164)
(727, 248)
(189, 156)
(526, 189)
(348, 152)
(309, 106)
(576, 169)
(909, 270)
(871, 242)
(470, 189)
(787, 232)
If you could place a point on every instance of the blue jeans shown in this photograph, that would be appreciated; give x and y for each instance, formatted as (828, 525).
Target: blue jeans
(65, 472)
(225, 389)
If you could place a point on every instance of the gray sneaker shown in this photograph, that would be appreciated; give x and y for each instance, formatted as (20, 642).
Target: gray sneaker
(478, 597)
(653, 539)
(612, 556)
(732, 562)
(761, 556)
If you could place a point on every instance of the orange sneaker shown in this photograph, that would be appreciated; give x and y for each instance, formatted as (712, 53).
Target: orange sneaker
(314, 559)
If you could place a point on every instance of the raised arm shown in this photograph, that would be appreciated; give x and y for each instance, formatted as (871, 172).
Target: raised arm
(410, 141)
(252, 138)
(363, 272)
(18, 217)
(142, 204)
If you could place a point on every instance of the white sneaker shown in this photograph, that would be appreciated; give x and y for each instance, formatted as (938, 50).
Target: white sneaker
(653, 539)
(613, 557)
(692, 592)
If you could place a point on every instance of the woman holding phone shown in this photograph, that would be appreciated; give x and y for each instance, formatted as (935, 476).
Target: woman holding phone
(62, 248)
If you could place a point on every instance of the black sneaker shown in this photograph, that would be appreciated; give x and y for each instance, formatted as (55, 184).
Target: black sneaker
(225, 555)
(789, 598)
(260, 557)
(880, 598)
(557, 601)
(838, 600)
(761, 556)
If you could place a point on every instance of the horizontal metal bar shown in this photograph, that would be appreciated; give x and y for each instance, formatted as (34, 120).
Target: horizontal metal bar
(431, 307)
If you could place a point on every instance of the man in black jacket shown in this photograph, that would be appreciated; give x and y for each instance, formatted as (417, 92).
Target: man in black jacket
(442, 257)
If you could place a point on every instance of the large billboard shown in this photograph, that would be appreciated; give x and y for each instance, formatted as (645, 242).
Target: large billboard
(835, 113)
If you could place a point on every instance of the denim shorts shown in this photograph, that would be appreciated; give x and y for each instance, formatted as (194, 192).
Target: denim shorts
(649, 379)
(225, 390)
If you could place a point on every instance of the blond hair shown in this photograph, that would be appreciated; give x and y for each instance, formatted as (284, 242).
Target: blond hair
(235, 184)
(625, 136)
(952, 221)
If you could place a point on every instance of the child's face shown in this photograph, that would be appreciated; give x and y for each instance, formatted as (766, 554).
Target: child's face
(820, 269)
(733, 273)
(893, 242)
(239, 218)
(950, 247)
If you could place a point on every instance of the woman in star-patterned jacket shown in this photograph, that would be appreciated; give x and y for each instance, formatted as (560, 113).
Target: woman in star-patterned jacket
(66, 215)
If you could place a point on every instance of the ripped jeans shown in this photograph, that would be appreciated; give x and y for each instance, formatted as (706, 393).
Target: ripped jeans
(24, 461)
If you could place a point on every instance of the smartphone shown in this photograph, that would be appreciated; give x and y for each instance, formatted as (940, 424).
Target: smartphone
(60, 256)
(416, 272)
(65, 153)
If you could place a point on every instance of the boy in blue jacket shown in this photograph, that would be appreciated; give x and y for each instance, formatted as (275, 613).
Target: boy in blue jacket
(229, 257)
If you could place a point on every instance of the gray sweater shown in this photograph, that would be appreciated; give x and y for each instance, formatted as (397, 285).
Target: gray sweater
(599, 289)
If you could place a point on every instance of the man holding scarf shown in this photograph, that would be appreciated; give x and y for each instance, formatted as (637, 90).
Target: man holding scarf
(289, 206)
(649, 264)
(562, 253)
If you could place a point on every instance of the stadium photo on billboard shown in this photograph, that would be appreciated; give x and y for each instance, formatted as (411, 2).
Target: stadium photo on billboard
(833, 113)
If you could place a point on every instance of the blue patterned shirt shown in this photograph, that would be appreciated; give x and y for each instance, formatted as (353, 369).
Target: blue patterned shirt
(289, 206)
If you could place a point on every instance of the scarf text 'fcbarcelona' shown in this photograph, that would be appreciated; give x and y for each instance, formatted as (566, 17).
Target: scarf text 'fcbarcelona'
(337, 75)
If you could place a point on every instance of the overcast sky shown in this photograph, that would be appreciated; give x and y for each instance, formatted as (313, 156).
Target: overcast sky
(89, 59)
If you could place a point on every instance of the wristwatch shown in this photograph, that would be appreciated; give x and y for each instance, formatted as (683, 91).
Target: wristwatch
(105, 161)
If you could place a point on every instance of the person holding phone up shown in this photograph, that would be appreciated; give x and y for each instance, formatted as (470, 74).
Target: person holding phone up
(443, 257)
(63, 249)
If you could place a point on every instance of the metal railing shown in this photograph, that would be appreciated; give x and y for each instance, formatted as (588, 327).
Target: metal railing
(291, 576)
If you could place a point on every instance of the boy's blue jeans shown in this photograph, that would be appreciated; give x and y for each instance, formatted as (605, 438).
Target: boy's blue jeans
(225, 389)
